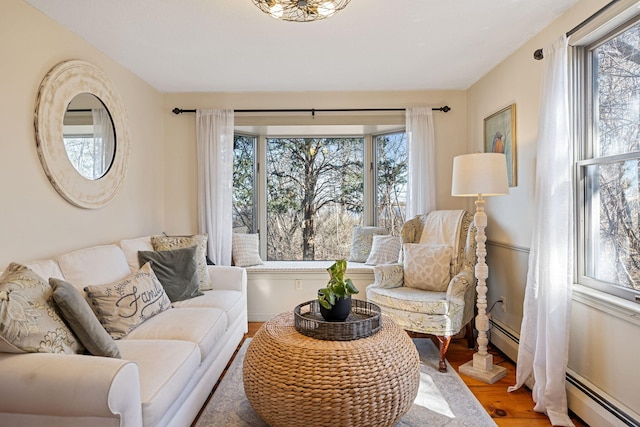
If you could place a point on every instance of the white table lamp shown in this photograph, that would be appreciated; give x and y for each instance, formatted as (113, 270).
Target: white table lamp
(480, 175)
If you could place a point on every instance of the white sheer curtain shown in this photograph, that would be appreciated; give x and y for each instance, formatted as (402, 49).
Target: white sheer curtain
(544, 335)
(104, 141)
(421, 185)
(214, 135)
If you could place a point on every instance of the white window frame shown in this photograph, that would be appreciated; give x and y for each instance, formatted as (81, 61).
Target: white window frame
(617, 18)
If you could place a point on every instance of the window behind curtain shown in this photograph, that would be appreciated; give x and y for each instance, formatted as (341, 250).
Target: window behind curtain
(315, 191)
(244, 183)
(609, 169)
(391, 180)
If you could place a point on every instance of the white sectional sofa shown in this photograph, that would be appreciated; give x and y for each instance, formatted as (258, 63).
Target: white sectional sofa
(168, 365)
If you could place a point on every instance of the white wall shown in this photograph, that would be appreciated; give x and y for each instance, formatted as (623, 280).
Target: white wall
(35, 221)
(180, 149)
(602, 347)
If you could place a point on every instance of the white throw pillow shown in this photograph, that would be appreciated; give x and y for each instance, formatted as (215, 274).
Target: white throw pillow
(362, 240)
(427, 266)
(244, 249)
(384, 250)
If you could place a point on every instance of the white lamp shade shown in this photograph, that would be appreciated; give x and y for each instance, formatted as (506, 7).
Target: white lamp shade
(480, 174)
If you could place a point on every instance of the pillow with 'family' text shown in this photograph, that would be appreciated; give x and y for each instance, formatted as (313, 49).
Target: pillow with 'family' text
(123, 305)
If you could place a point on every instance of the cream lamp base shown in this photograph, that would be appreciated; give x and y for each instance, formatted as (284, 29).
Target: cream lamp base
(482, 368)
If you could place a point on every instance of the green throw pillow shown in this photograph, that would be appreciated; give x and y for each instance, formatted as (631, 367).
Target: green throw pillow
(176, 270)
(82, 321)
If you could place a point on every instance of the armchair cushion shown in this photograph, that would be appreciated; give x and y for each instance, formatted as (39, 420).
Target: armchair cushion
(427, 267)
(410, 300)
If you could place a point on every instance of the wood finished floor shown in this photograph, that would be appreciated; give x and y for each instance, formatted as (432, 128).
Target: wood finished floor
(507, 409)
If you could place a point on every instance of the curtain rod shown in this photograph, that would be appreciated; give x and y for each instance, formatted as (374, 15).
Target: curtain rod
(313, 111)
(538, 55)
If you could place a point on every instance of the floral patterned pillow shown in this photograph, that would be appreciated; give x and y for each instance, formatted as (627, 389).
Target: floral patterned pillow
(29, 319)
(123, 305)
(427, 266)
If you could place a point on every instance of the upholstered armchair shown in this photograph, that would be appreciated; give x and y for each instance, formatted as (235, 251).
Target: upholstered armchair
(432, 289)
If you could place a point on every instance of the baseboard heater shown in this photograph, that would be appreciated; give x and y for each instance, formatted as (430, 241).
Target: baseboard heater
(593, 395)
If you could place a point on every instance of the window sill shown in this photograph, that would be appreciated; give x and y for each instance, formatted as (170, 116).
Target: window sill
(615, 306)
(307, 266)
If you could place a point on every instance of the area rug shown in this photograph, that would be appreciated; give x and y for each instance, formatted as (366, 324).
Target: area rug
(443, 398)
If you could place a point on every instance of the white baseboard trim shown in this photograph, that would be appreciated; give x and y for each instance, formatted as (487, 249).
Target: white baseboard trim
(592, 405)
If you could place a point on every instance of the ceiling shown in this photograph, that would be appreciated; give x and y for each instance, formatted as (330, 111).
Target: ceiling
(231, 46)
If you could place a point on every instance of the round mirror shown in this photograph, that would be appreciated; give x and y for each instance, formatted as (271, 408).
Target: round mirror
(82, 134)
(88, 135)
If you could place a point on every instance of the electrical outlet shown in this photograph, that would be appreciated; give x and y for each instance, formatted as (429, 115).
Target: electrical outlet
(298, 284)
(503, 306)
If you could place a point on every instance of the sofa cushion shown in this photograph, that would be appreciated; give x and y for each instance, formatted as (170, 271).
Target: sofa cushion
(123, 305)
(202, 326)
(45, 268)
(176, 271)
(165, 367)
(362, 240)
(29, 319)
(130, 247)
(96, 265)
(427, 267)
(82, 320)
(163, 243)
(232, 302)
(409, 299)
(384, 250)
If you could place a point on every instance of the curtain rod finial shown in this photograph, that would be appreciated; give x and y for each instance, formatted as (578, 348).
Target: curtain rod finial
(538, 55)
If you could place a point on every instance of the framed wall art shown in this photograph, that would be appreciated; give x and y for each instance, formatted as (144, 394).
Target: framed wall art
(500, 137)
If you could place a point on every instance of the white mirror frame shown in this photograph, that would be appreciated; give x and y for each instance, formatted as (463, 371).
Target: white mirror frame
(58, 88)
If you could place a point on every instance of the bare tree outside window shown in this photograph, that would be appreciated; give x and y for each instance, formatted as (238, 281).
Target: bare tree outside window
(244, 183)
(391, 180)
(314, 193)
(314, 196)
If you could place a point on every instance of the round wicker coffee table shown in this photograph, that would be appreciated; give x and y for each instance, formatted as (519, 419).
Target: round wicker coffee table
(291, 379)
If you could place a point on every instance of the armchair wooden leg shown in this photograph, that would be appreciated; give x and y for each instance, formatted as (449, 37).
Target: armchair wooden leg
(444, 346)
(471, 343)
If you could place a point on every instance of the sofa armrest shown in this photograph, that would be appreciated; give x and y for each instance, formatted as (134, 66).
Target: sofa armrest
(228, 278)
(388, 276)
(70, 385)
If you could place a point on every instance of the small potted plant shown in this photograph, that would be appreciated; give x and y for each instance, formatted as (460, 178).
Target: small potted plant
(335, 298)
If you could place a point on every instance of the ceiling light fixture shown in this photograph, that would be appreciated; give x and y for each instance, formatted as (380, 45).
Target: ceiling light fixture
(301, 10)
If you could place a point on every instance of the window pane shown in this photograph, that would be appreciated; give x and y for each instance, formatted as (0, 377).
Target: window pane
(314, 197)
(391, 180)
(613, 223)
(244, 183)
(617, 103)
